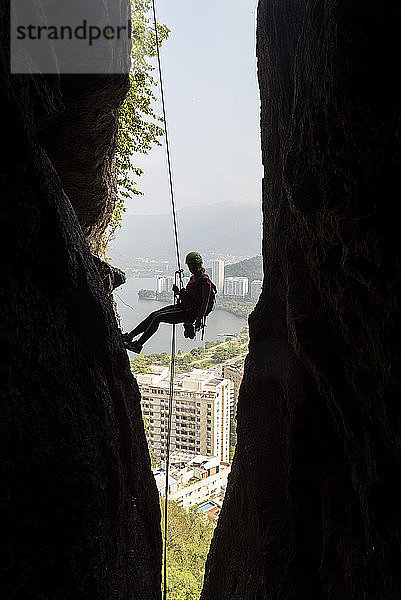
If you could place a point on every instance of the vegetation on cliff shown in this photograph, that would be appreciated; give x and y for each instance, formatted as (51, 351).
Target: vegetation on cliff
(139, 124)
(188, 540)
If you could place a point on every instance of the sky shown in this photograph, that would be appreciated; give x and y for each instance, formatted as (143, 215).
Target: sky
(212, 102)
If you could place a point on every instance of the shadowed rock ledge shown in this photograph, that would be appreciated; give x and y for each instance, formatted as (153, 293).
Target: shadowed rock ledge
(81, 139)
(80, 512)
(313, 506)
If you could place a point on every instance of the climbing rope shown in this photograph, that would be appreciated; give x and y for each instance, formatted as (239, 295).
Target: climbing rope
(178, 276)
(169, 422)
(167, 140)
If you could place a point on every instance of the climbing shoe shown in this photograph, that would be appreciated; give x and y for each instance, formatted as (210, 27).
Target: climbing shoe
(134, 346)
(130, 345)
(189, 331)
(126, 339)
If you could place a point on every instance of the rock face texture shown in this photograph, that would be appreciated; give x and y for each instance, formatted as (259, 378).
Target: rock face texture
(80, 512)
(313, 508)
(81, 138)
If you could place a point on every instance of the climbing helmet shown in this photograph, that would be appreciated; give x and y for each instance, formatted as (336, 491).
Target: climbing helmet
(193, 257)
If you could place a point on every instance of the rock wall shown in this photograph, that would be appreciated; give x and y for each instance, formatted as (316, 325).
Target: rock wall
(88, 122)
(313, 507)
(80, 512)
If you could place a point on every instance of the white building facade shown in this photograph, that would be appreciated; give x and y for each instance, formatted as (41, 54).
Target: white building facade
(199, 479)
(218, 274)
(235, 375)
(256, 288)
(200, 415)
(212, 487)
(236, 286)
(164, 284)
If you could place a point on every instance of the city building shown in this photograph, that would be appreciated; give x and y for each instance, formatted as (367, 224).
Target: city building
(200, 415)
(235, 375)
(201, 479)
(218, 274)
(236, 286)
(256, 287)
(164, 284)
(210, 508)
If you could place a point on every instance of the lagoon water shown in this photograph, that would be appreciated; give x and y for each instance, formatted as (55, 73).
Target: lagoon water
(132, 310)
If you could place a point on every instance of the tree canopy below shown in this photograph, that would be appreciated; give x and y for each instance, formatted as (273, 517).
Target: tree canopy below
(188, 540)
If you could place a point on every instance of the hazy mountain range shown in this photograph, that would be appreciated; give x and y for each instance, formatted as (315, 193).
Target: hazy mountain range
(223, 228)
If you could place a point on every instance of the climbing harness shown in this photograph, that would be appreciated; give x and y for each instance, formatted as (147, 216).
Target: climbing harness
(178, 277)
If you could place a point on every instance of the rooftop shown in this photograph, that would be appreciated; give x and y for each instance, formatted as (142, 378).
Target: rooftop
(196, 380)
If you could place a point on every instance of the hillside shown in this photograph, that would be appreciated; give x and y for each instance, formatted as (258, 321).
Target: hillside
(222, 228)
(250, 267)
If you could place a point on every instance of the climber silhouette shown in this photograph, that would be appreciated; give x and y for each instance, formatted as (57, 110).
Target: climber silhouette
(192, 306)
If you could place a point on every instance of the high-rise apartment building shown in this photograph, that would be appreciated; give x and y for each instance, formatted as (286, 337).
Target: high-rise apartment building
(200, 416)
(164, 284)
(236, 286)
(235, 375)
(256, 287)
(218, 274)
(196, 480)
